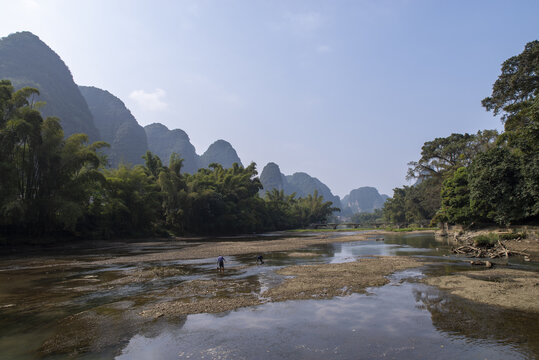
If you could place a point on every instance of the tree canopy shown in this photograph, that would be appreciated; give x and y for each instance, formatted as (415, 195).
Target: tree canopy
(486, 177)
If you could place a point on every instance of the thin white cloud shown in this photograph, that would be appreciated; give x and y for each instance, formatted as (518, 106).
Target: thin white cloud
(150, 100)
(304, 23)
(309, 21)
(323, 49)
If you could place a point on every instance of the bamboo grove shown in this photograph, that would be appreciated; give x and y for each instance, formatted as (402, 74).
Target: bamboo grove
(52, 186)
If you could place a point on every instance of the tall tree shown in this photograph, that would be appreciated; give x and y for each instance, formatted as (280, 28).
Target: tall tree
(517, 87)
(44, 182)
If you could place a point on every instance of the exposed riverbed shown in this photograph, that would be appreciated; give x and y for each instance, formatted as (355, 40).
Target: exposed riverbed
(358, 297)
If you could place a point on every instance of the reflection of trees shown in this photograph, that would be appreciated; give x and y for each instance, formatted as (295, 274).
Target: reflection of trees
(457, 316)
(418, 241)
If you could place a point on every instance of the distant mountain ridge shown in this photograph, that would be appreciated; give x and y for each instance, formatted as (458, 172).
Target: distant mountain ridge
(363, 199)
(163, 142)
(300, 183)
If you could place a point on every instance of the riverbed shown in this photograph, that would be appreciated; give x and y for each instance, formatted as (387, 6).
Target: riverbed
(166, 300)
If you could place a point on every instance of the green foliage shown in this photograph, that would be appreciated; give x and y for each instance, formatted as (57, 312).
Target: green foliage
(45, 178)
(513, 236)
(488, 240)
(447, 154)
(413, 204)
(368, 218)
(517, 87)
(495, 183)
(483, 178)
(455, 207)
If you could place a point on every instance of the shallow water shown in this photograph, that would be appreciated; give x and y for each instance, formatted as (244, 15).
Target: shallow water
(404, 319)
(393, 321)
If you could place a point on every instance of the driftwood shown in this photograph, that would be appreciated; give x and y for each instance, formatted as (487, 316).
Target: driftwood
(497, 251)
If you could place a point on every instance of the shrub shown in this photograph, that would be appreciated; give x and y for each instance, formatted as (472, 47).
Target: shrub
(512, 236)
(487, 240)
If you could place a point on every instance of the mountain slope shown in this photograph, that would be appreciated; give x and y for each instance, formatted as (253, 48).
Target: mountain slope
(117, 126)
(300, 183)
(363, 199)
(28, 61)
(220, 152)
(163, 142)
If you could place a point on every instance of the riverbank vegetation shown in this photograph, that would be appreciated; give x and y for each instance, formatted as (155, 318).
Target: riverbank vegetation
(483, 178)
(52, 186)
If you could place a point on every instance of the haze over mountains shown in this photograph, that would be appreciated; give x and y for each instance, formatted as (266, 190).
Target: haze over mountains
(27, 61)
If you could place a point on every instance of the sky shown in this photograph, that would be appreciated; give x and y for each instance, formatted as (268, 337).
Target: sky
(346, 91)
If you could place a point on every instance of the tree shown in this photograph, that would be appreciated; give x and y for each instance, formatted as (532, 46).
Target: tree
(495, 182)
(455, 207)
(516, 88)
(394, 208)
(173, 192)
(515, 95)
(44, 177)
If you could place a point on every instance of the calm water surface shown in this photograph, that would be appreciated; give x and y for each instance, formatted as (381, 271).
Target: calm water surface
(402, 320)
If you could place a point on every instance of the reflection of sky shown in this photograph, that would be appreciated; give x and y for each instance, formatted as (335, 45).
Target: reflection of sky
(388, 323)
(348, 252)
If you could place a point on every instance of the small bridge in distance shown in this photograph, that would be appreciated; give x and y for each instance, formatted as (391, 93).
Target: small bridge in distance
(347, 225)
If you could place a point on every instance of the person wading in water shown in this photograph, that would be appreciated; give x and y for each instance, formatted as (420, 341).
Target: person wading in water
(221, 263)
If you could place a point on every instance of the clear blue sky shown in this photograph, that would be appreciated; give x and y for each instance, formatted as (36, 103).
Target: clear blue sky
(346, 91)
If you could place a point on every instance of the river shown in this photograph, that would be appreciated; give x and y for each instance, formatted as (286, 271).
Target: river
(45, 300)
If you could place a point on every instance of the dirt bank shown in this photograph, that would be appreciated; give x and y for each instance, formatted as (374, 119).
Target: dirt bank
(508, 288)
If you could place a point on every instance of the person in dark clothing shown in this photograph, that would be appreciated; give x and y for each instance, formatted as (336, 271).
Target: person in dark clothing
(259, 259)
(221, 263)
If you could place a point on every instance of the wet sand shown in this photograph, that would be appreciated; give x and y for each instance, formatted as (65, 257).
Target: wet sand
(507, 288)
(328, 280)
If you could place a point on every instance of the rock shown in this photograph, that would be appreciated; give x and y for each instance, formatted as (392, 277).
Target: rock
(488, 264)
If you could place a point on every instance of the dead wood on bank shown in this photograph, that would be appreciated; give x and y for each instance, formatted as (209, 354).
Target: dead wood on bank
(496, 251)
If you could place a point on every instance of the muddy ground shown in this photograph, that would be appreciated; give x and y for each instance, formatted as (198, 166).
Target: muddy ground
(504, 287)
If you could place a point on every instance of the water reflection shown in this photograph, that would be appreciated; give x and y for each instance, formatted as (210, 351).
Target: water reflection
(391, 322)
